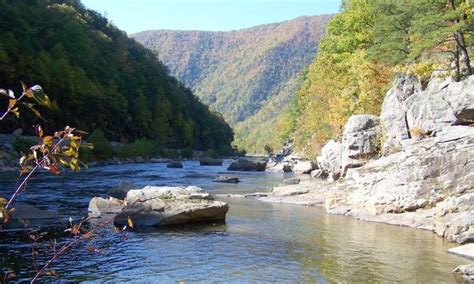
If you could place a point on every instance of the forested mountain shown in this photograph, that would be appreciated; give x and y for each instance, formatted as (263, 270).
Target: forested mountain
(365, 46)
(248, 75)
(98, 78)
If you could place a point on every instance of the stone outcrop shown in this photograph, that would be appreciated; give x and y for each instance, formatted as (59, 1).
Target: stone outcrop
(161, 206)
(247, 165)
(330, 160)
(465, 270)
(360, 140)
(424, 181)
(304, 167)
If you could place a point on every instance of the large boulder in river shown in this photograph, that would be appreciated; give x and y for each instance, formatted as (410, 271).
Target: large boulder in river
(160, 206)
(210, 162)
(360, 140)
(330, 160)
(99, 206)
(120, 191)
(247, 165)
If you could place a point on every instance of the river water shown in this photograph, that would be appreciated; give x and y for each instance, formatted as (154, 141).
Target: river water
(260, 242)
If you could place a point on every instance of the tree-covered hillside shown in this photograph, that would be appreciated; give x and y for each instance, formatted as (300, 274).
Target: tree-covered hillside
(366, 44)
(98, 78)
(248, 75)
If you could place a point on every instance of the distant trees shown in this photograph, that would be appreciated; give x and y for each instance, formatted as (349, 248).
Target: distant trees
(98, 78)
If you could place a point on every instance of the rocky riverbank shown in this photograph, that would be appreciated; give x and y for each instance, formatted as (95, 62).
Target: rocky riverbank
(412, 166)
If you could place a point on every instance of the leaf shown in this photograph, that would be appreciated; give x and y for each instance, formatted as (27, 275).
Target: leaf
(48, 140)
(16, 112)
(54, 170)
(130, 223)
(3, 92)
(4, 214)
(39, 96)
(39, 131)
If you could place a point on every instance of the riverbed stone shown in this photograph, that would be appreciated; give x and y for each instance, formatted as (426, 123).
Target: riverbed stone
(360, 140)
(465, 270)
(175, 165)
(227, 179)
(304, 167)
(330, 159)
(247, 165)
(466, 251)
(162, 206)
(99, 206)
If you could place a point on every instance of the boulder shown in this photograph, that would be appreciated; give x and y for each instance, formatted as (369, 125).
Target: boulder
(330, 159)
(161, 206)
(466, 251)
(247, 165)
(210, 162)
(175, 165)
(227, 179)
(318, 174)
(465, 270)
(360, 140)
(304, 167)
(393, 113)
(120, 191)
(443, 103)
(99, 206)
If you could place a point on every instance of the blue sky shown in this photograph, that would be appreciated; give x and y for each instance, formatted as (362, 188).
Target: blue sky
(215, 15)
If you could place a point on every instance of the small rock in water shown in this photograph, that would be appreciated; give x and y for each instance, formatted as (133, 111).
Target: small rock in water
(227, 179)
(175, 165)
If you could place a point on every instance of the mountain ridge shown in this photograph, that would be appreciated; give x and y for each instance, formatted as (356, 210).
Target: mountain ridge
(247, 73)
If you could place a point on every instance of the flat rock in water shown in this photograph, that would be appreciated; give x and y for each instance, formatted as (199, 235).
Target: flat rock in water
(247, 165)
(464, 251)
(163, 206)
(227, 179)
(175, 165)
(210, 162)
(34, 216)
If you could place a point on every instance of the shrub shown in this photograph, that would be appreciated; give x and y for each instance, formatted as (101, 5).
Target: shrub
(210, 154)
(187, 153)
(144, 148)
(168, 153)
(102, 147)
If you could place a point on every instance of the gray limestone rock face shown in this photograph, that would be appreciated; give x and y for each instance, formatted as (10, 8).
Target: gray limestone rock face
(360, 140)
(330, 159)
(393, 113)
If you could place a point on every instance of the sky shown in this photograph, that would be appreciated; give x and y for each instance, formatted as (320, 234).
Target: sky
(213, 15)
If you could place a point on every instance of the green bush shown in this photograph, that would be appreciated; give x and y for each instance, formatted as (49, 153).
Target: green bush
(144, 148)
(168, 153)
(210, 154)
(187, 153)
(22, 144)
(102, 147)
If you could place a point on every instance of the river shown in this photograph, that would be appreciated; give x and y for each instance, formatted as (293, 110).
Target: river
(260, 242)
